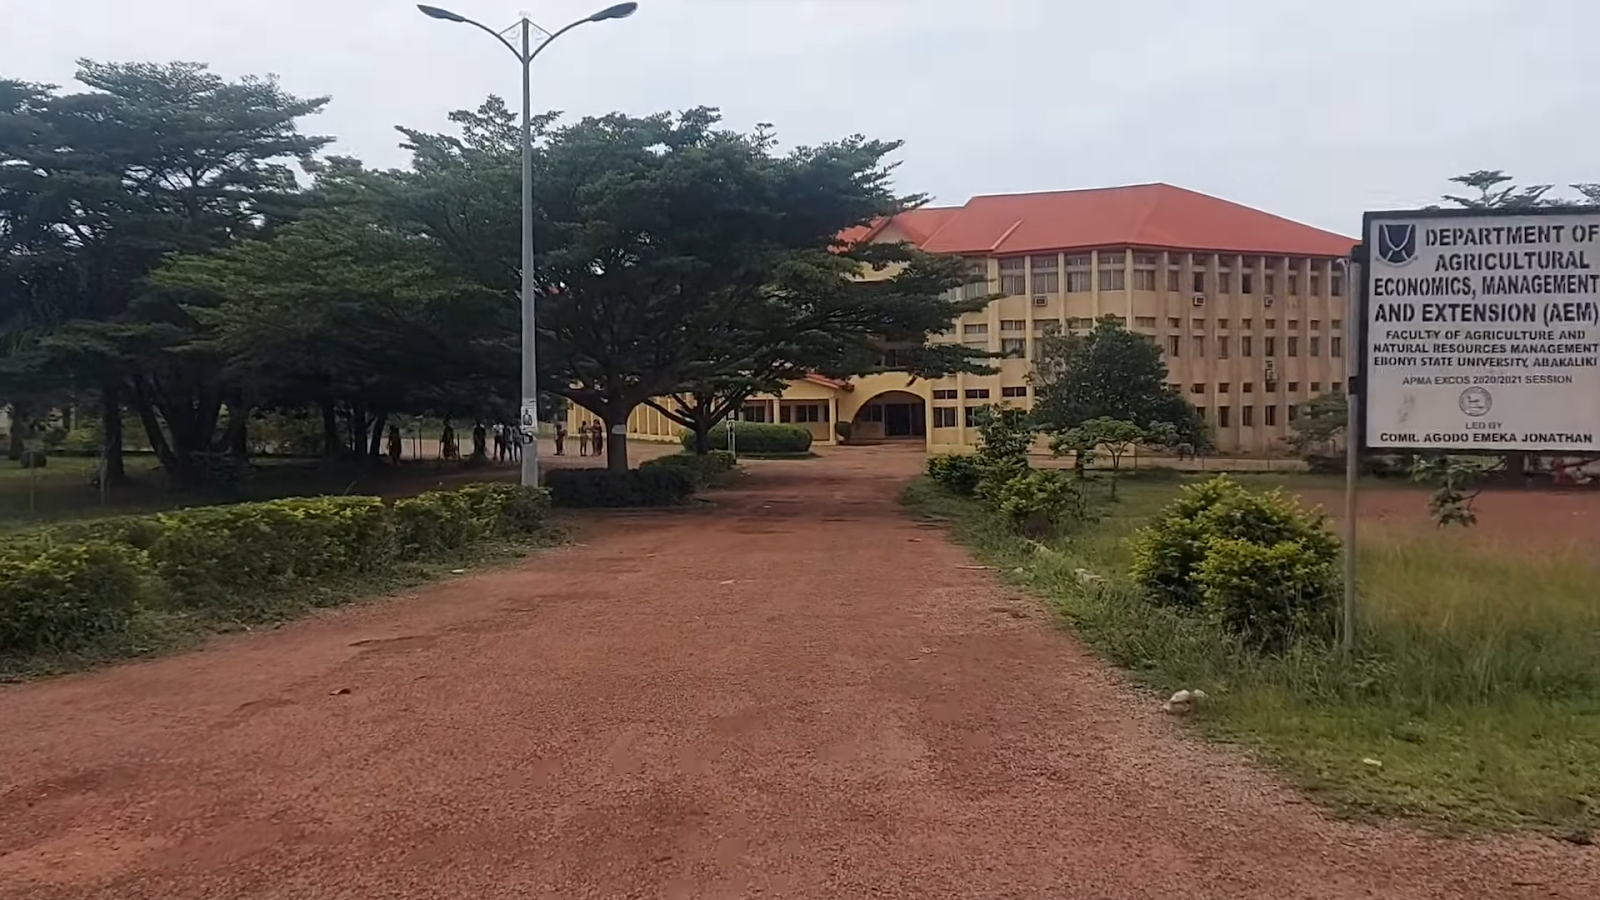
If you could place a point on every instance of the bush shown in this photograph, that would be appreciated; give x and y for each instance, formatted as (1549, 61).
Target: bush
(957, 473)
(436, 522)
(602, 488)
(758, 437)
(34, 459)
(1268, 594)
(1168, 552)
(209, 555)
(67, 597)
(1041, 501)
(704, 469)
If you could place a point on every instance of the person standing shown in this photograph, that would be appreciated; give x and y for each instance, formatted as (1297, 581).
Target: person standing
(447, 442)
(394, 444)
(561, 437)
(599, 439)
(583, 439)
(480, 442)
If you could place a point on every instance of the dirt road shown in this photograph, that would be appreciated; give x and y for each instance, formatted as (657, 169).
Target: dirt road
(802, 694)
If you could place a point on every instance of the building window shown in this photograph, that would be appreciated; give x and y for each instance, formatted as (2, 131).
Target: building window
(1199, 346)
(1316, 388)
(753, 412)
(1199, 281)
(1174, 279)
(1222, 347)
(1224, 388)
(1247, 416)
(1222, 416)
(1246, 345)
(1013, 324)
(1046, 327)
(1175, 388)
(1018, 391)
(970, 415)
(1337, 324)
(1016, 348)
(1271, 274)
(1223, 324)
(1249, 387)
(1197, 388)
(1294, 284)
(1144, 322)
(1247, 324)
(1271, 415)
(1316, 280)
(1316, 345)
(945, 394)
(1269, 346)
(1224, 279)
(1111, 271)
(1272, 386)
(1200, 411)
(1174, 322)
(1014, 276)
(977, 393)
(1294, 345)
(944, 417)
(979, 285)
(1294, 387)
(1078, 275)
(1144, 271)
(1316, 324)
(1172, 345)
(1272, 324)
(1197, 324)
(1294, 324)
(975, 329)
(1294, 412)
(801, 413)
(1247, 280)
(1337, 283)
(1045, 277)
(1077, 323)
(1336, 345)
(873, 413)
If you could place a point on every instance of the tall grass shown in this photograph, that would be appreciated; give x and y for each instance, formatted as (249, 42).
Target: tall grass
(1477, 687)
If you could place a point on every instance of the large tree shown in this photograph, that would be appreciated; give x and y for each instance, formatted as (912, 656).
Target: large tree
(1110, 373)
(675, 254)
(151, 160)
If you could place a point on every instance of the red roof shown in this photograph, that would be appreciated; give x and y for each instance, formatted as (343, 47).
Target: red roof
(825, 381)
(1156, 216)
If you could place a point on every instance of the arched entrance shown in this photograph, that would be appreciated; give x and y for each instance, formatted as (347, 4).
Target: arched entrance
(891, 416)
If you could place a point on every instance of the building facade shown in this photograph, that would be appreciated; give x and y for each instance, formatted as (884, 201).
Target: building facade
(1249, 309)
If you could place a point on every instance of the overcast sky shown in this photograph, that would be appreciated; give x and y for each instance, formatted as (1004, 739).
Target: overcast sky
(1275, 103)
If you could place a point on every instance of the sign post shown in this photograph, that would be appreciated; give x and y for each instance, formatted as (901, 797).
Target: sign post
(1352, 456)
(1481, 331)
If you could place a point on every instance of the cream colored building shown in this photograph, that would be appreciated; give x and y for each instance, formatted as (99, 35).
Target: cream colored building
(1248, 308)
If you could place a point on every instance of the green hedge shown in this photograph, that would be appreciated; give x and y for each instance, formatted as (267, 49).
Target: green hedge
(704, 469)
(758, 437)
(602, 488)
(69, 588)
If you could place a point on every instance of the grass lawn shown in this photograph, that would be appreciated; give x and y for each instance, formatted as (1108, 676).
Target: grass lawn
(1478, 686)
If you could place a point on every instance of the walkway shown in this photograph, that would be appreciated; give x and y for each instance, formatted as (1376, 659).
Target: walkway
(802, 694)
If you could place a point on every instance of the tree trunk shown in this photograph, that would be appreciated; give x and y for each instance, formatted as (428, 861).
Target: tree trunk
(617, 441)
(115, 471)
(702, 436)
(330, 430)
(375, 445)
(20, 414)
(236, 441)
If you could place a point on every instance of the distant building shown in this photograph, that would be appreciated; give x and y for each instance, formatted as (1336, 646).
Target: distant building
(1248, 308)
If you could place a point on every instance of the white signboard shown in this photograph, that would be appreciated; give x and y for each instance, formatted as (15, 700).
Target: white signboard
(1482, 331)
(528, 423)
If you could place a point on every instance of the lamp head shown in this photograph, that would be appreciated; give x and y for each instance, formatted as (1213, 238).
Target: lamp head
(434, 12)
(620, 11)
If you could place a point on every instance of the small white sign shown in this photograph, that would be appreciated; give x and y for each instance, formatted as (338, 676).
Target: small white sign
(528, 422)
(1482, 331)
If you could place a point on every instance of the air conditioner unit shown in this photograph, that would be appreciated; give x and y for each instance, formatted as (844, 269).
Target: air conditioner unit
(1199, 299)
(1268, 300)
(1040, 300)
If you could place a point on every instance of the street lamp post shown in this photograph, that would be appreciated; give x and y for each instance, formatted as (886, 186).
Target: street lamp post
(526, 54)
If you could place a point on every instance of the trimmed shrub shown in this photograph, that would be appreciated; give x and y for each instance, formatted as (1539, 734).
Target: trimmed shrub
(210, 554)
(704, 469)
(956, 472)
(602, 488)
(1168, 552)
(1268, 594)
(1041, 501)
(758, 437)
(67, 597)
(436, 522)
